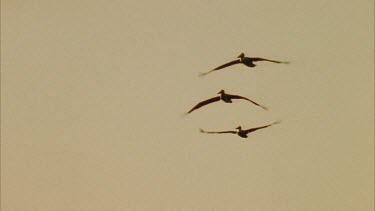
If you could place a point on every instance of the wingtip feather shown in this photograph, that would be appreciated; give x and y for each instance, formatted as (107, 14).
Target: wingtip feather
(277, 122)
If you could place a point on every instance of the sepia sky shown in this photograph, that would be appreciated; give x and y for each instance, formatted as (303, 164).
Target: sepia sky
(93, 95)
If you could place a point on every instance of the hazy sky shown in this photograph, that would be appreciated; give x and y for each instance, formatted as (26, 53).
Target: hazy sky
(93, 94)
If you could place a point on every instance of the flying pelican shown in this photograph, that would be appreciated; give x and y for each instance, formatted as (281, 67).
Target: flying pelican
(240, 132)
(227, 98)
(248, 61)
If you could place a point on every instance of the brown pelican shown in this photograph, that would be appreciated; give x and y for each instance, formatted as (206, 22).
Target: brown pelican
(248, 61)
(227, 98)
(240, 132)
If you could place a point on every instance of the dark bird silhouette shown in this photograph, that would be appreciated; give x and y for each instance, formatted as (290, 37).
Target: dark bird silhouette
(248, 61)
(227, 98)
(239, 132)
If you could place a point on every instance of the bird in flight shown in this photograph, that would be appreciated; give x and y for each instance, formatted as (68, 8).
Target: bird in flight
(227, 98)
(248, 61)
(239, 132)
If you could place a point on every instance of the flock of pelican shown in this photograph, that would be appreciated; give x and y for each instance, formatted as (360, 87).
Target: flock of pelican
(227, 98)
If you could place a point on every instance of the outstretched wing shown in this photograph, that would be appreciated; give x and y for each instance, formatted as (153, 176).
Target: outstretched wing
(256, 59)
(257, 128)
(244, 98)
(217, 132)
(237, 61)
(203, 103)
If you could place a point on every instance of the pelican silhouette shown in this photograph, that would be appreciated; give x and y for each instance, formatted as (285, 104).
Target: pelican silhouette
(239, 132)
(248, 61)
(227, 98)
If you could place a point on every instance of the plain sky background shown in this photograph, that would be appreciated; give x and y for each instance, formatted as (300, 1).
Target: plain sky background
(93, 94)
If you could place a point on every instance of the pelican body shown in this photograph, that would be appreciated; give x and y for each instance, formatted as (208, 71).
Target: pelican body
(246, 60)
(240, 132)
(227, 98)
(241, 59)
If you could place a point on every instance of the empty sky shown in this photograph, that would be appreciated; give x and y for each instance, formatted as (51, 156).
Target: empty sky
(93, 94)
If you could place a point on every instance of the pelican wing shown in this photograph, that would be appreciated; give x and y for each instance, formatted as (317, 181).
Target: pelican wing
(237, 61)
(257, 128)
(203, 103)
(244, 98)
(217, 132)
(256, 59)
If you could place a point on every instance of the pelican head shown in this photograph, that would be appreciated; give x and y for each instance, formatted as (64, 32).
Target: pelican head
(221, 92)
(239, 128)
(242, 55)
